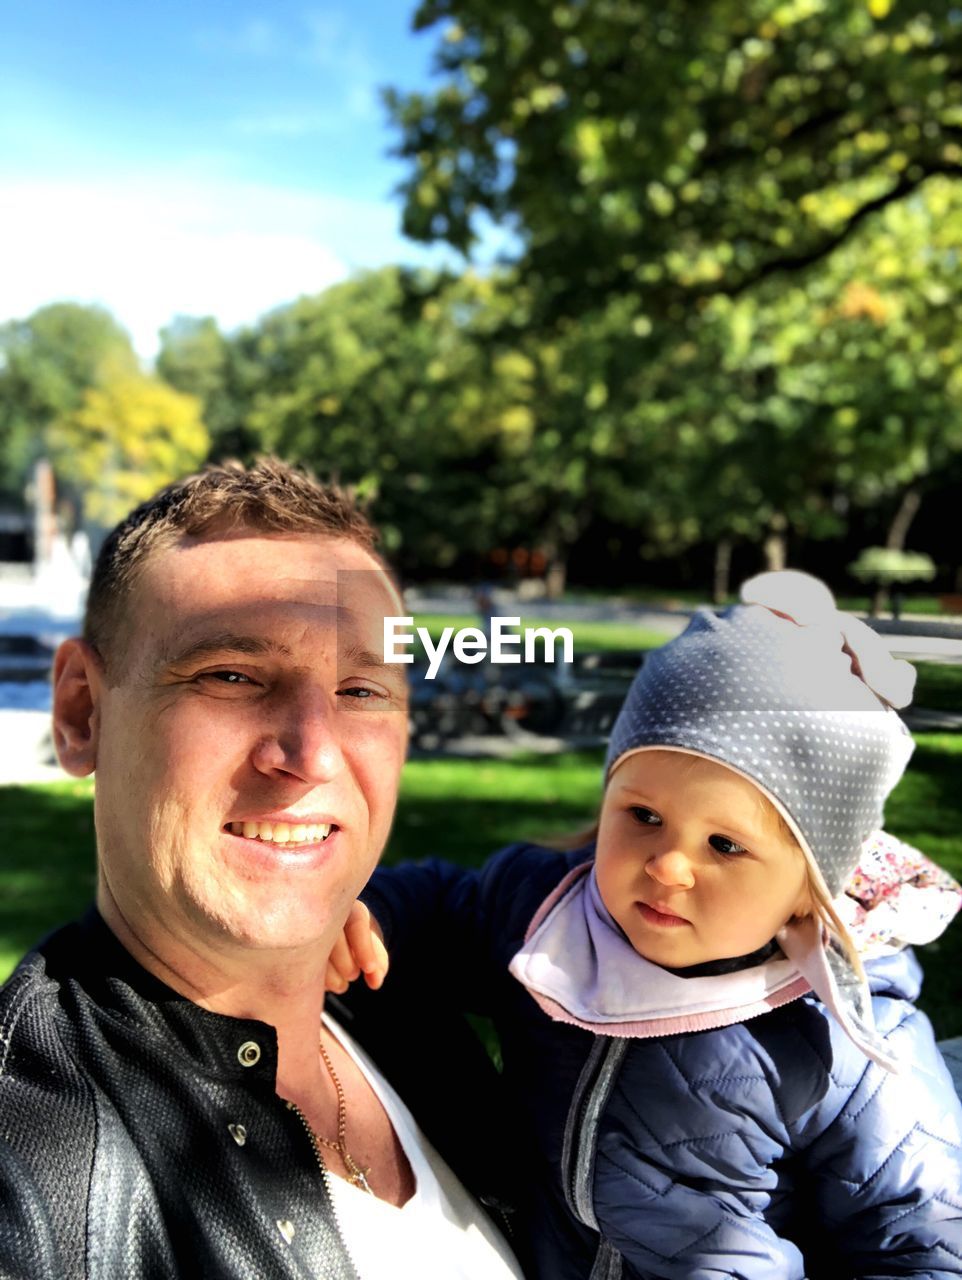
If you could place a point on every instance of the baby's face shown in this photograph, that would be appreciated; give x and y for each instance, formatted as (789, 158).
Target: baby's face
(691, 861)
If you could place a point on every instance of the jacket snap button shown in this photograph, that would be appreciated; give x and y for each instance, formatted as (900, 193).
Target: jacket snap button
(238, 1133)
(286, 1229)
(249, 1054)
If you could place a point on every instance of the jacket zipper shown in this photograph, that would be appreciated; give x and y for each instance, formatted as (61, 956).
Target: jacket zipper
(581, 1140)
(581, 1130)
(326, 1179)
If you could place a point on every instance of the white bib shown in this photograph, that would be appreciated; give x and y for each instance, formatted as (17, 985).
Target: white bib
(580, 968)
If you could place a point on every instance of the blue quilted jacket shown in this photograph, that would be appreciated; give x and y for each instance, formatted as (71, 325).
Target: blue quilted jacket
(767, 1150)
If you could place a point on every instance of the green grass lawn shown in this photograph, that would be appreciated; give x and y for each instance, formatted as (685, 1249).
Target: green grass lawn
(47, 871)
(938, 686)
(462, 810)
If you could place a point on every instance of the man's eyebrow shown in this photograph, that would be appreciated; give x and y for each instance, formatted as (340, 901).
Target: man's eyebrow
(225, 642)
(358, 656)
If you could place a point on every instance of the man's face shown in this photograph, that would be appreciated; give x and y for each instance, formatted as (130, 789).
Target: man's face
(249, 750)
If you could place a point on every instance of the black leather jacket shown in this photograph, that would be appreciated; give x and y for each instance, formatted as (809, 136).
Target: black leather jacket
(141, 1137)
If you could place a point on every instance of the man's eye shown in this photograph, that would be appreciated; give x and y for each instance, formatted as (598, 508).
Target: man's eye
(647, 817)
(357, 691)
(729, 848)
(228, 677)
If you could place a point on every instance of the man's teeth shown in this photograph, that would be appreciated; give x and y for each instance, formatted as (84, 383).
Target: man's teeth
(282, 832)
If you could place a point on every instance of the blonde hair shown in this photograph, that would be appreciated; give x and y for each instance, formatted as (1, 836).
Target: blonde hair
(822, 906)
(824, 910)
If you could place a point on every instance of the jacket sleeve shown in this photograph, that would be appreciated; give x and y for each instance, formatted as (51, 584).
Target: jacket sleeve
(459, 928)
(440, 925)
(776, 1148)
(886, 1173)
(28, 1250)
(422, 901)
(701, 1233)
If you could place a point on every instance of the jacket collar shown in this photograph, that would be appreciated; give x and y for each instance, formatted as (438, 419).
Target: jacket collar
(98, 978)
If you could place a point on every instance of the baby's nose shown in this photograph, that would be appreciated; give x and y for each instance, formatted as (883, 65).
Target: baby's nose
(671, 868)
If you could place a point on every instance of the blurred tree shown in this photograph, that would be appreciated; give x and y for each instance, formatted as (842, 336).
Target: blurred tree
(706, 208)
(781, 409)
(570, 449)
(753, 418)
(46, 363)
(468, 426)
(888, 570)
(195, 357)
(385, 382)
(679, 149)
(126, 439)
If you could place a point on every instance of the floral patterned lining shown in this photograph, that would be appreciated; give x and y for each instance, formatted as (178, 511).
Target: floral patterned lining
(897, 897)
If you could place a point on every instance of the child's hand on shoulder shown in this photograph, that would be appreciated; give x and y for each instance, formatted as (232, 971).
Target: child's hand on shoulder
(359, 949)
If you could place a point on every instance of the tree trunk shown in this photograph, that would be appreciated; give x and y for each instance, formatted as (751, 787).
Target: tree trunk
(895, 541)
(555, 576)
(555, 545)
(776, 543)
(723, 566)
(899, 528)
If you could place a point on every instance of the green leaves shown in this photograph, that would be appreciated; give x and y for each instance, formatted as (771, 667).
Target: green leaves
(46, 363)
(886, 565)
(124, 441)
(700, 148)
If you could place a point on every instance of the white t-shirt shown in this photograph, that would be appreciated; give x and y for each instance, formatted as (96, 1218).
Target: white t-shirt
(442, 1233)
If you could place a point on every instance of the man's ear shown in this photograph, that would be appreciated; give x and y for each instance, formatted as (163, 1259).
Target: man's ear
(78, 678)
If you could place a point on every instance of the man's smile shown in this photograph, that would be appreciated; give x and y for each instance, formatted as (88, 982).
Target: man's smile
(266, 847)
(296, 833)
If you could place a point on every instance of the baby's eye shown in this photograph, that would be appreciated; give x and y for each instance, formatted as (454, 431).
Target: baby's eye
(723, 845)
(647, 817)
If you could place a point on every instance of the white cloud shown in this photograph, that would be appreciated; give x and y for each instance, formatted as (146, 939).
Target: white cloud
(151, 247)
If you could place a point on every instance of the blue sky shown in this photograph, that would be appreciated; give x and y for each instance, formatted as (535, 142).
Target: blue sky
(205, 158)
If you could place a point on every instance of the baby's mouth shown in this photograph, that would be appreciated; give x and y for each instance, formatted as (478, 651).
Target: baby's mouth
(282, 832)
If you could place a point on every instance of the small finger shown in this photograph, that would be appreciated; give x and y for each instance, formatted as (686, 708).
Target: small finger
(334, 983)
(342, 959)
(374, 975)
(357, 931)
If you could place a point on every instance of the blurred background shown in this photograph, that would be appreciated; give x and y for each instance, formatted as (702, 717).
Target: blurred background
(602, 305)
(637, 295)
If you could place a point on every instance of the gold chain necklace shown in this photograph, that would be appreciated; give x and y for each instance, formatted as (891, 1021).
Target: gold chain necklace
(357, 1176)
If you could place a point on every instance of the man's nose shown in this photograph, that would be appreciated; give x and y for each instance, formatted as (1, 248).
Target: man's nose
(671, 868)
(304, 742)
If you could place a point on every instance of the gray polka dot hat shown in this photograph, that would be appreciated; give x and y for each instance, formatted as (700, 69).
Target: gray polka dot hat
(791, 693)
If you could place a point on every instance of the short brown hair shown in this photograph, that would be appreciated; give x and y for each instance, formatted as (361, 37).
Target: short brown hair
(268, 497)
